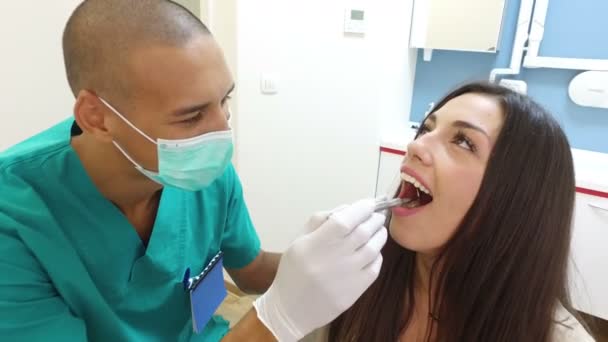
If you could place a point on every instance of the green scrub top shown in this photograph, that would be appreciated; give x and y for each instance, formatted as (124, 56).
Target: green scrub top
(72, 268)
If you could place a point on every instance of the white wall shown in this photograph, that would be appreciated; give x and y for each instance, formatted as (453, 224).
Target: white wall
(390, 31)
(35, 92)
(314, 145)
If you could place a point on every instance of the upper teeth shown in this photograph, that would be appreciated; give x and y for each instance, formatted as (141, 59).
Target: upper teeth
(416, 183)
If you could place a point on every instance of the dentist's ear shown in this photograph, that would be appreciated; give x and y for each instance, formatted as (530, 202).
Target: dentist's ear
(90, 115)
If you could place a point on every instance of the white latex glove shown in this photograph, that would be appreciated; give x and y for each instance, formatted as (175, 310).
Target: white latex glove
(318, 218)
(324, 272)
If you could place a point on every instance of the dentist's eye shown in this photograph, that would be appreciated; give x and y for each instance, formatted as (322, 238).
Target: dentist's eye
(194, 119)
(226, 99)
(465, 142)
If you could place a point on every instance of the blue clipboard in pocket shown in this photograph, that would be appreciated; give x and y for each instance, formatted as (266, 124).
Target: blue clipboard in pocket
(207, 292)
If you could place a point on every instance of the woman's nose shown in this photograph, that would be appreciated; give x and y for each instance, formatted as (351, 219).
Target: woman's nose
(420, 150)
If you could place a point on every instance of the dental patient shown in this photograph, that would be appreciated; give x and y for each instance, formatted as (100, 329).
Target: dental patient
(480, 253)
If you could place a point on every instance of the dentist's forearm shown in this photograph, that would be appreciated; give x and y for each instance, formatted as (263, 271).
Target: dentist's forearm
(250, 329)
(267, 272)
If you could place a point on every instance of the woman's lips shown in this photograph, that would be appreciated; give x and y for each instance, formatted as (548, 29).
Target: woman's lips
(403, 211)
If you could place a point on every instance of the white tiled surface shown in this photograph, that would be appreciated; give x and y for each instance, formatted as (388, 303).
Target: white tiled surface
(591, 170)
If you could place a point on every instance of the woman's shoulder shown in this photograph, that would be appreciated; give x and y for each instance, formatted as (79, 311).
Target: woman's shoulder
(568, 329)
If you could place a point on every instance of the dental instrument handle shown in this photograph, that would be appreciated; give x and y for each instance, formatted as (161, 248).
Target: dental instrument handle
(386, 204)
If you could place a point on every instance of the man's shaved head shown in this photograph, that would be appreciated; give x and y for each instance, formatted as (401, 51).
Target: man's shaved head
(101, 35)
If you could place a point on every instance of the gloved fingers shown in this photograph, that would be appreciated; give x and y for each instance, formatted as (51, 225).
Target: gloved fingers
(342, 222)
(363, 232)
(317, 219)
(369, 252)
(373, 269)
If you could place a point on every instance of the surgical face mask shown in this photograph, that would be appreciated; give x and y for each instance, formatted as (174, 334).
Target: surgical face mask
(190, 164)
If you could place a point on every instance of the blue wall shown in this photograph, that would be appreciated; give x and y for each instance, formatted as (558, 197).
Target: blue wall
(575, 29)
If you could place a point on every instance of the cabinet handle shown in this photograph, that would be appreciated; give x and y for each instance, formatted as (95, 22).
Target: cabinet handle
(598, 206)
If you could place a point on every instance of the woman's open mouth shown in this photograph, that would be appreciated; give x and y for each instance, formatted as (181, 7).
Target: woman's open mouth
(415, 191)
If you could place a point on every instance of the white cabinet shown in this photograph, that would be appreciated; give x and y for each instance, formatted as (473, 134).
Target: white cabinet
(388, 177)
(589, 260)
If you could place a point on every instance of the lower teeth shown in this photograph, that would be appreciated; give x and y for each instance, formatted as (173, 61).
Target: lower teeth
(412, 204)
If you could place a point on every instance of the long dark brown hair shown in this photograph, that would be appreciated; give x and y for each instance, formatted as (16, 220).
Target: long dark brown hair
(504, 271)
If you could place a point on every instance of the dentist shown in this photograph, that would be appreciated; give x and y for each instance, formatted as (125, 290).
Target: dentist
(101, 214)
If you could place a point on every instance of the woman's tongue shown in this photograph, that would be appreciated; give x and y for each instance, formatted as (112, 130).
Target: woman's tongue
(408, 191)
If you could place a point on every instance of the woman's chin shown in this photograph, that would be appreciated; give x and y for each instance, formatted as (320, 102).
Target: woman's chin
(410, 237)
(403, 236)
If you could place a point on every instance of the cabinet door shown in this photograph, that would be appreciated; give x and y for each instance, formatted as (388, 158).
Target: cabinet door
(388, 177)
(589, 260)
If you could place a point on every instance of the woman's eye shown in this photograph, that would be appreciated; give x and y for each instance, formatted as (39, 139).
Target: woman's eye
(463, 141)
(423, 130)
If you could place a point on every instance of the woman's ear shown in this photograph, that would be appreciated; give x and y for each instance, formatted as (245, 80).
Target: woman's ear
(90, 114)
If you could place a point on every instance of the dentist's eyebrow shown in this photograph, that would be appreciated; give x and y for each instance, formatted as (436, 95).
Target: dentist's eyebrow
(231, 89)
(191, 109)
(199, 107)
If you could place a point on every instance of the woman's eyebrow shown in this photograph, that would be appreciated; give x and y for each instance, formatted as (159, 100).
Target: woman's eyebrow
(460, 124)
(468, 125)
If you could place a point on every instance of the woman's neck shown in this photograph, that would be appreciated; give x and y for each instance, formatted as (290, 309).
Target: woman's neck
(417, 327)
(422, 273)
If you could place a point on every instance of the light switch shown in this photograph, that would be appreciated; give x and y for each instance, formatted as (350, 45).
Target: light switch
(354, 20)
(269, 83)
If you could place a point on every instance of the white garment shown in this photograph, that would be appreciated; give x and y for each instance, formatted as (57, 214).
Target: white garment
(568, 330)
